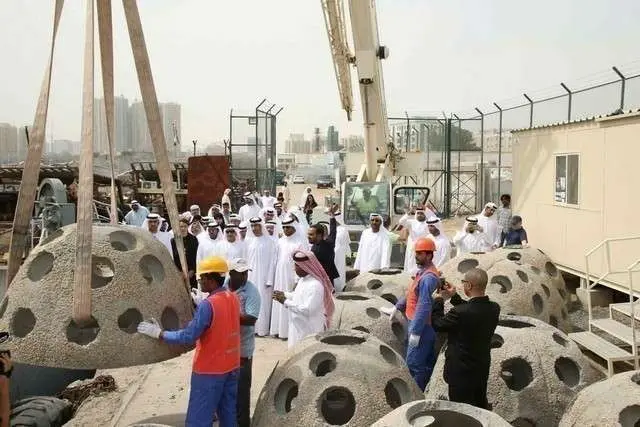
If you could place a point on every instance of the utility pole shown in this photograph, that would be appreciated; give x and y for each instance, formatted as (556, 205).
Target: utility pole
(195, 142)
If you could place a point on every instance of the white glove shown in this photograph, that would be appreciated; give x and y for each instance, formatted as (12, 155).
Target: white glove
(394, 314)
(414, 340)
(268, 285)
(151, 329)
(388, 311)
(198, 296)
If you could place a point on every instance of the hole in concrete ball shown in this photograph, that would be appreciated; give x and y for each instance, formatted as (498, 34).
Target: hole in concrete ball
(563, 293)
(523, 422)
(390, 297)
(546, 290)
(496, 341)
(398, 330)
(40, 266)
(442, 418)
(374, 313)
(361, 329)
(567, 371)
(503, 282)
(352, 297)
(101, 272)
(169, 319)
(514, 256)
(467, 264)
(388, 355)
(3, 306)
(553, 321)
(516, 373)
(630, 416)
(129, 320)
(535, 269)
(514, 324)
(538, 304)
(374, 284)
(322, 363)
(151, 268)
(122, 241)
(551, 269)
(636, 378)
(523, 276)
(337, 406)
(22, 322)
(83, 334)
(397, 393)
(283, 398)
(559, 339)
(342, 340)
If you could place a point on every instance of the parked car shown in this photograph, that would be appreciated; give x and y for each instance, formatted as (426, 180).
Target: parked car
(324, 181)
(298, 179)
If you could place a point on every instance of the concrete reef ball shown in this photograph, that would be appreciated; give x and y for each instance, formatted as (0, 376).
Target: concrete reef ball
(611, 402)
(423, 413)
(536, 371)
(523, 289)
(133, 278)
(361, 312)
(390, 284)
(335, 378)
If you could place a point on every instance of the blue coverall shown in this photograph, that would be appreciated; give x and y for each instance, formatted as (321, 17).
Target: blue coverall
(422, 358)
(210, 393)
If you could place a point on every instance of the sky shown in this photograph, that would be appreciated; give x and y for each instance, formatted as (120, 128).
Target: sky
(214, 55)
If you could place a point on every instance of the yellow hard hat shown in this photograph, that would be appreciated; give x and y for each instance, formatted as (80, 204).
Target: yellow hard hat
(214, 264)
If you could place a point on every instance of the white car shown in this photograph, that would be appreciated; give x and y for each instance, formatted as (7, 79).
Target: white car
(298, 179)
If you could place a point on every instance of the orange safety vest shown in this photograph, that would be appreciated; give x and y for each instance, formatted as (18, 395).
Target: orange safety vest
(218, 348)
(412, 297)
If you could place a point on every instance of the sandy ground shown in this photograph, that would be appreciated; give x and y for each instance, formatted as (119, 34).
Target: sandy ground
(159, 392)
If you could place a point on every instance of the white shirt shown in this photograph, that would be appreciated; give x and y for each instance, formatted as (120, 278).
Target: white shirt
(467, 242)
(247, 212)
(490, 228)
(373, 251)
(268, 201)
(306, 309)
(443, 249)
(229, 250)
(341, 249)
(136, 218)
(164, 238)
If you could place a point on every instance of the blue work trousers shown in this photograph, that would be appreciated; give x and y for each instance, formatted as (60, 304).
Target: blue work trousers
(213, 394)
(422, 358)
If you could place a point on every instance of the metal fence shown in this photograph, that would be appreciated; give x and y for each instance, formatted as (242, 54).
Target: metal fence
(469, 154)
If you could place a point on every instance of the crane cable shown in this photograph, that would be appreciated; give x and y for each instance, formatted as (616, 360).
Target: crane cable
(31, 169)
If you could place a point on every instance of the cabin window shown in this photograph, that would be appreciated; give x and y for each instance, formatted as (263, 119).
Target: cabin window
(567, 179)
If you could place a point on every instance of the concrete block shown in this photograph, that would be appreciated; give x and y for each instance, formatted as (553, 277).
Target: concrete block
(612, 402)
(134, 278)
(390, 284)
(536, 372)
(339, 377)
(440, 413)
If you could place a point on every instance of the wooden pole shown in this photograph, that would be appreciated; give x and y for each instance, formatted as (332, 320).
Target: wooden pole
(82, 275)
(105, 33)
(31, 170)
(150, 100)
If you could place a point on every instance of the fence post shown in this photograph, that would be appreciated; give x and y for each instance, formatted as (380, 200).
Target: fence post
(564, 86)
(623, 84)
(408, 132)
(481, 156)
(499, 148)
(447, 175)
(530, 110)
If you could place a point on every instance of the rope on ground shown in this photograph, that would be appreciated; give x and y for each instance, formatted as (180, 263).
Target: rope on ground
(78, 394)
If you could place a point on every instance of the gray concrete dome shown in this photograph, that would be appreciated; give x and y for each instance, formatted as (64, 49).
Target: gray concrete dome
(390, 284)
(134, 278)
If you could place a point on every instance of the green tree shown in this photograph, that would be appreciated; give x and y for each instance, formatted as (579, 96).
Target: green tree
(461, 139)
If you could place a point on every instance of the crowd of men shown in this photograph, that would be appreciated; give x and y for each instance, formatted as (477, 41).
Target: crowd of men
(266, 272)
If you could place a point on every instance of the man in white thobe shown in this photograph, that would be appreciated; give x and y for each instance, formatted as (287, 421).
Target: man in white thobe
(443, 245)
(153, 225)
(415, 228)
(374, 250)
(343, 246)
(471, 240)
(261, 255)
(488, 224)
(136, 216)
(285, 274)
(250, 209)
(311, 304)
(232, 246)
(207, 242)
(267, 199)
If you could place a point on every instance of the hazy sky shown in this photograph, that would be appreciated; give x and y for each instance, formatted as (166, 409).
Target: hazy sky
(213, 55)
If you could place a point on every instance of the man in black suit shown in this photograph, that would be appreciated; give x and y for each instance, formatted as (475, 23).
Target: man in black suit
(469, 326)
(190, 243)
(324, 248)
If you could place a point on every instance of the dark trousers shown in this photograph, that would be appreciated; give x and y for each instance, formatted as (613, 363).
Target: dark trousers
(244, 393)
(473, 392)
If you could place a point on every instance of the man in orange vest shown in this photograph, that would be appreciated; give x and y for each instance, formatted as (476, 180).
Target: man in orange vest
(417, 307)
(214, 380)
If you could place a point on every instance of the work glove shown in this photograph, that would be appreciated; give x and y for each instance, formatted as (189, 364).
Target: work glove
(151, 329)
(394, 314)
(198, 296)
(414, 340)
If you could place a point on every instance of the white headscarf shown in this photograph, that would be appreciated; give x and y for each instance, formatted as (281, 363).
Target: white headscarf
(252, 221)
(435, 221)
(302, 219)
(300, 234)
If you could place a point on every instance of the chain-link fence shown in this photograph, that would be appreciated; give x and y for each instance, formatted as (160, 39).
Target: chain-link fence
(469, 154)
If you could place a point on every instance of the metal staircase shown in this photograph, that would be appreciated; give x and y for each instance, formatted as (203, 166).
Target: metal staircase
(628, 333)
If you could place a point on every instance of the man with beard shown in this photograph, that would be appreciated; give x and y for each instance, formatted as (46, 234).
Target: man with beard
(208, 242)
(153, 225)
(414, 228)
(136, 216)
(190, 243)
(443, 245)
(374, 250)
(250, 209)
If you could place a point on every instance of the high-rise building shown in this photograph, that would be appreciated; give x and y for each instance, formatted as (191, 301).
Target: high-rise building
(333, 139)
(317, 148)
(8, 143)
(138, 128)
(171, 124)
(296, 144)
(121, 132)
(140, 140)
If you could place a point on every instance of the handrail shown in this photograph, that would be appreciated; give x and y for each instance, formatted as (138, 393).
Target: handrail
(634, 346)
